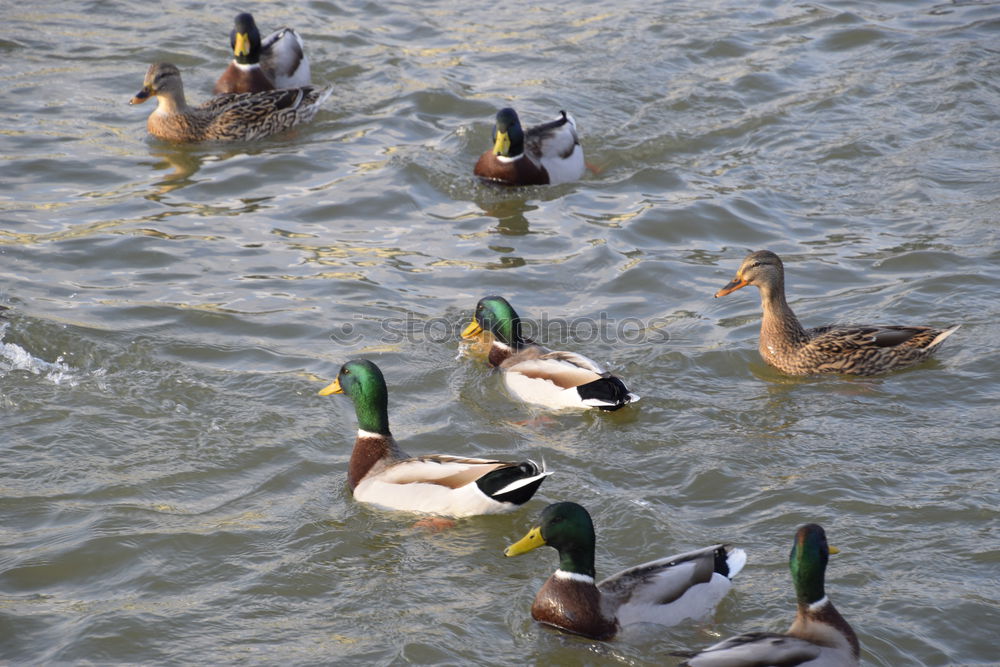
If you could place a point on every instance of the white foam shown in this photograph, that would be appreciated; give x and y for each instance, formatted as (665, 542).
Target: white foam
(13, 357)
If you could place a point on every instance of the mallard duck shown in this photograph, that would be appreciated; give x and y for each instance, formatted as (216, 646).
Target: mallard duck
(242, 117)
(544, 155)
(279, 61)
(382, 474)
(537, 375)
(819, 637)
(664, 591)
(857, 350)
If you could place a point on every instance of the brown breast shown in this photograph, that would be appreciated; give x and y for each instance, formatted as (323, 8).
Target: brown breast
(238, 80)
(518, 172)
(573, 606)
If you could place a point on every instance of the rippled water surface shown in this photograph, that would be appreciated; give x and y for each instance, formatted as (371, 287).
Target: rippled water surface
(173, 489)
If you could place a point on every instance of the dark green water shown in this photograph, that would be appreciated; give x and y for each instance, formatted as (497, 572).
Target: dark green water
(172, 489)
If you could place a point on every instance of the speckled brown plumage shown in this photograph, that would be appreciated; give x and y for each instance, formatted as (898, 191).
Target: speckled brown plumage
(240, 117)
(855, 350)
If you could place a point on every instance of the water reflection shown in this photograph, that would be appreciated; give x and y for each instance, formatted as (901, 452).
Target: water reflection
(510, 215)
(183, 162)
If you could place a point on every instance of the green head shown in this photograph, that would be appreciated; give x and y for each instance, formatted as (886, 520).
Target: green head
(245, 40)
(495, 314)
(567, 528)
(363, 382)
(508, 136)
(807, 561)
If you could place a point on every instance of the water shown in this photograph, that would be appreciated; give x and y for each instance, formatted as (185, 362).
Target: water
(172, 487)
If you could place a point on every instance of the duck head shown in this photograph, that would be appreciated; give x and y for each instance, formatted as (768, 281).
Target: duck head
(496, 315)
(761, 268)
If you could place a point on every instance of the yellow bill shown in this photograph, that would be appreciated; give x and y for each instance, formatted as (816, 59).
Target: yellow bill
(531, 541)
(242, 46)
(502, 145)
(332, 388)
(472, 330)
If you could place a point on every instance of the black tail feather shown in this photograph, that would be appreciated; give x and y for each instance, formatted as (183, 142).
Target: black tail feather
(608, 389)
(493, 482)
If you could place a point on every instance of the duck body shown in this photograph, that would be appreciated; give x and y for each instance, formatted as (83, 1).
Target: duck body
(819, 636)
(855, 350)
(234, 117)
(666, 591)
(275, 62)
(534, 374)
(547, 154)
(380, 473)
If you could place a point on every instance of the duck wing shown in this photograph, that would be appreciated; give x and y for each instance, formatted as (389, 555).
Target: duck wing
(753, 650)
(557, 138)
(563, 369)
(451, 486)
(283, 59)
(669, 590)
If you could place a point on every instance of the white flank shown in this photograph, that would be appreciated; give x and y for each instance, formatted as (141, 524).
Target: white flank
(571, 368)
(543, 392)
(697, 601)
(289, 71)
(429, 498)
(573, 576)
(430, 469)
(563, 169)
(764, 651)
(395, 488)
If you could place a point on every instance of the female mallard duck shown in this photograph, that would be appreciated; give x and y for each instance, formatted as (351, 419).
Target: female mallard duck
(537, 375)
(664, 591)
(279, 61)
(242, 117)
(380, 473)
(819, 637)
(858, 350)
(544, 155)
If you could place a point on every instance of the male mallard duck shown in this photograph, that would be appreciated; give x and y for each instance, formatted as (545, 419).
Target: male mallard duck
(277, 62)
(544, 155)
(858, 350)
(382, 474)
(537, 375)
(819, 637)
(664, 591)
(242, 117)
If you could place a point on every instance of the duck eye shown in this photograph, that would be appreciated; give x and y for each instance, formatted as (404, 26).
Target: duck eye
(755, 264)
